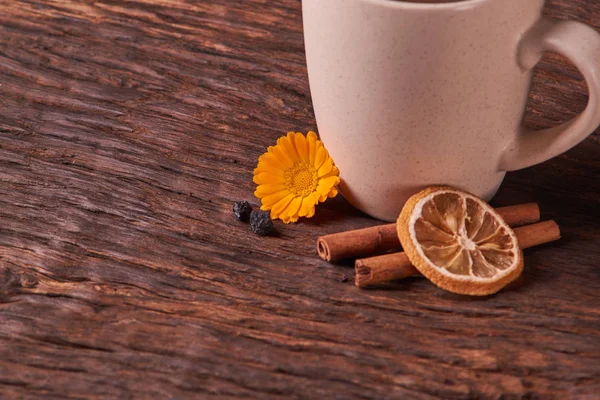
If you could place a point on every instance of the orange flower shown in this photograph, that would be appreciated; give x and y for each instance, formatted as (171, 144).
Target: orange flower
(294, 176)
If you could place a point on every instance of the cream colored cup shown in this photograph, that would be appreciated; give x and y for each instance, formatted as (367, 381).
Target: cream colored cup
(411, 94)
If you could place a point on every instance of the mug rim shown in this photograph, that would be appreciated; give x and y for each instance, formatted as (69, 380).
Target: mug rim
(418, 5)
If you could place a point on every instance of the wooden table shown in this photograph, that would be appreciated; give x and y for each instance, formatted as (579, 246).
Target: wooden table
(128, 128)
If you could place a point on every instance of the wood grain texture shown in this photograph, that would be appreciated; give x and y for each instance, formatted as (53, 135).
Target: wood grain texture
(127, 129)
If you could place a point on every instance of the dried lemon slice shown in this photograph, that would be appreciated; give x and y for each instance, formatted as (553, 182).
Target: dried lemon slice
(459, 242)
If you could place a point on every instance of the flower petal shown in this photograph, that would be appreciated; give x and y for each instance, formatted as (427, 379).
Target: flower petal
(264, 178)
(268, 155)
(289, 147)
(325, 185)
(311, 213)
(308, 203)
(282, 156)
(293, 220)
(265, 190)
(316, 198)
(289, 220)
(321, 157)
(281, 205)
(332, 193)
(270, 163)
(301, 147)
(326, 167)
(334, 172)
(292, 209)
(312, 140)
(269, 201)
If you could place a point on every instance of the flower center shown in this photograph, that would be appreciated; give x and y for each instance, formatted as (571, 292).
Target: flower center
(301, 179)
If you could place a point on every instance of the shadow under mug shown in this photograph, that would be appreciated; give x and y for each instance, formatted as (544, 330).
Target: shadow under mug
(413, 94)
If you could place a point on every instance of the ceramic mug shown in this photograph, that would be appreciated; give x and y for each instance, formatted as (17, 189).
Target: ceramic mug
(409, 94)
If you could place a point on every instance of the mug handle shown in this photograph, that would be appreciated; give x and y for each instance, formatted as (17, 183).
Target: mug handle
(579, 43)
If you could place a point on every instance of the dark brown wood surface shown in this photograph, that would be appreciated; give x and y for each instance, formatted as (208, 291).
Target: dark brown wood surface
(128, 128)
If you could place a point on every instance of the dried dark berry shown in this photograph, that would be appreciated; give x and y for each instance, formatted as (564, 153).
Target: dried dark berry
(260, 223)
(242, 210)
(343, 279)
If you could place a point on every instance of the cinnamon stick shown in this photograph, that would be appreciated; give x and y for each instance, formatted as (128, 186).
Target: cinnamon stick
(390, 267)
(382, 238)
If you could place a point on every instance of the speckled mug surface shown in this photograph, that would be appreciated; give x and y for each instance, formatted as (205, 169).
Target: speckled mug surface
(412, 94)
